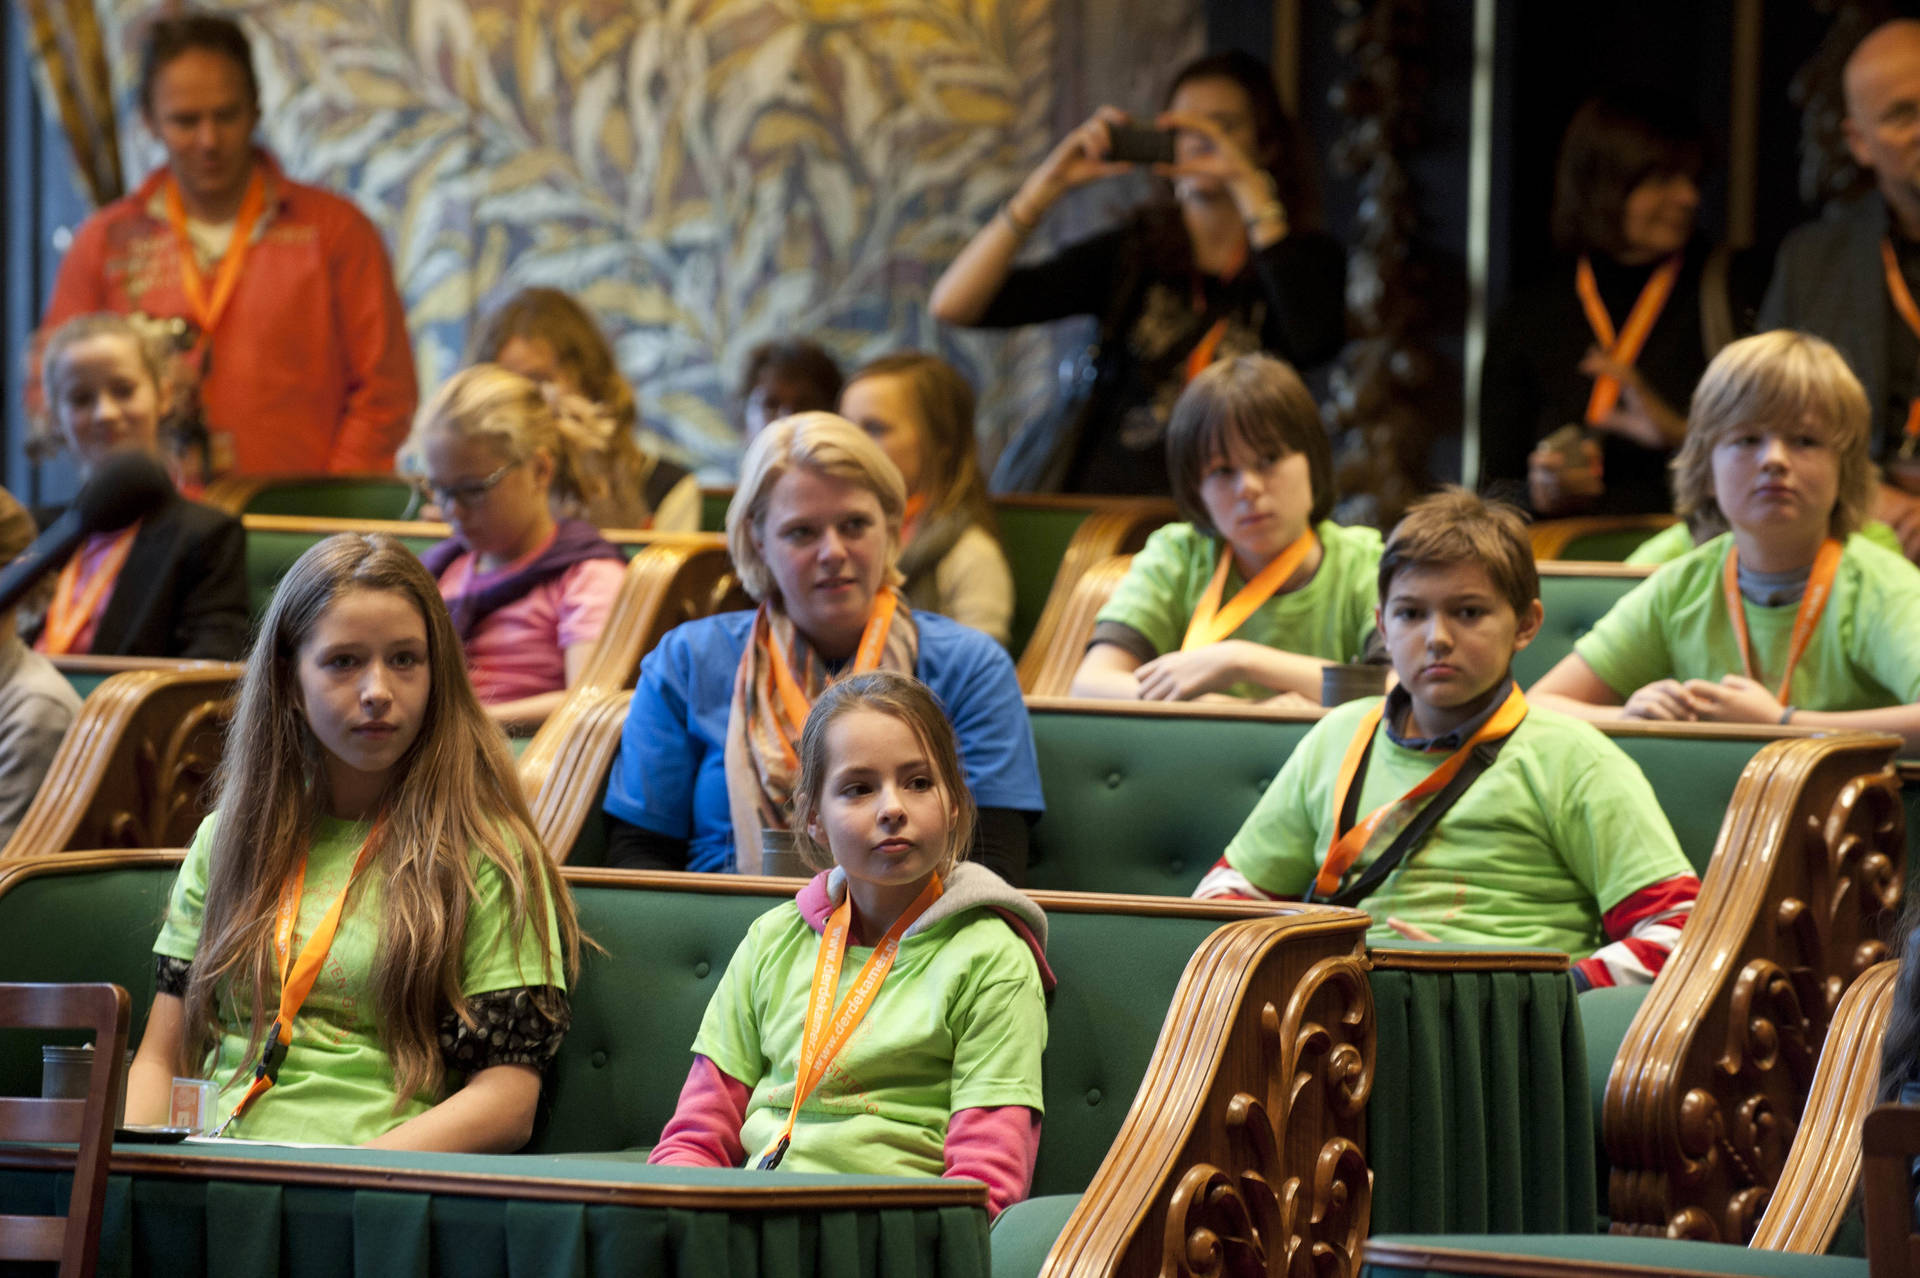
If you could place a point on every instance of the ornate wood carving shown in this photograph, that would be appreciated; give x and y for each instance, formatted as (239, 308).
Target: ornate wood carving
(134, 767)
(1707, 1092)
(1385, 385)
(1243, 1152)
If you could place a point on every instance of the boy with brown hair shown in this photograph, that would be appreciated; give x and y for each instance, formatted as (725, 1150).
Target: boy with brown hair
(1449, 809)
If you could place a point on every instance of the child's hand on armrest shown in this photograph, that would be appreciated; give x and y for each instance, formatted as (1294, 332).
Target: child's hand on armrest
(1667, 700)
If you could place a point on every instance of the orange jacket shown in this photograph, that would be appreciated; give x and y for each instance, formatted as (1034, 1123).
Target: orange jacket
(311, 369)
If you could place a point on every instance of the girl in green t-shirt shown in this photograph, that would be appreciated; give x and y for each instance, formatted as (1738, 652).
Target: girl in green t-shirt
(369, 911)
(1789, 617)
(1259, 590)
(910, 981)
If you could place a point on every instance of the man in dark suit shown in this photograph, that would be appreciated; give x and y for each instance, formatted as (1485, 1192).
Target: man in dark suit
(1851, 276)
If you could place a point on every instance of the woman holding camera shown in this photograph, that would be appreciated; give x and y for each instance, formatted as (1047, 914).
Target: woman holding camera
(1232, 265)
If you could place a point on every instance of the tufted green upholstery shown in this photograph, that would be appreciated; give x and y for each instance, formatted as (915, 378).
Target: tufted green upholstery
(1121, 816)
(367, 498)
(1572, 605)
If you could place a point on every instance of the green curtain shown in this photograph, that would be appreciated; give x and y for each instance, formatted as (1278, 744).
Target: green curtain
(1479, 1120)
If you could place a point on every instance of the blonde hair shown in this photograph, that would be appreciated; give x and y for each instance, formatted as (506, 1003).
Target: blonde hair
(828, 445)
(452, 802)
(150, 343)
(520, 417)
(911, 702)
(1773, 380)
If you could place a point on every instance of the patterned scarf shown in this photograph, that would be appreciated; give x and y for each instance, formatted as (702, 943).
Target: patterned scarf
(763, 727)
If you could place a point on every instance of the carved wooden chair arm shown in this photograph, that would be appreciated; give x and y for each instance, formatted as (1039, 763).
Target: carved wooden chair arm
(1708, 1088)
(581, 756)
(1106, 533)
(133, 768)
(1246, 1131)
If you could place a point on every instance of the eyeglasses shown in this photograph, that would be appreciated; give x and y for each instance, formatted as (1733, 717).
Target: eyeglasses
(444, 495)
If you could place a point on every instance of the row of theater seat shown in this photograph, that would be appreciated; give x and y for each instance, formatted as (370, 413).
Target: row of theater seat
(1288, 1059)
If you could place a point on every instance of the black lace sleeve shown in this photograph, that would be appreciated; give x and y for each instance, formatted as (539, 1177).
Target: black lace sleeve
(170, 975)
(520, 1026)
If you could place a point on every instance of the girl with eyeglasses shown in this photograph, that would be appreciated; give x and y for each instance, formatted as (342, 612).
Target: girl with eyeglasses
(529, 591)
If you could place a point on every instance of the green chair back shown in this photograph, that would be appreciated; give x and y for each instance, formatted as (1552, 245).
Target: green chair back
(1035, 538)
(271, 555)
(1611, 545)
(1572, 605)
(713, 509)
(83, 682)
(370, 498)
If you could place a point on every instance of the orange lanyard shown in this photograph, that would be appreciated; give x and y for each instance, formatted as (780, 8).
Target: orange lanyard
(821, 1041)
(74, 602)
(1344, 849)
(296, 982)
(1201, 356)
(1812, 604)
(873, 645)
(1624, 348)
(208, 310)
(1211, 623)
(1903, 303)
(916, 506)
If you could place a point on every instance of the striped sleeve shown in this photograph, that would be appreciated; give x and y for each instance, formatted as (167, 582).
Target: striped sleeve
(1641, 931)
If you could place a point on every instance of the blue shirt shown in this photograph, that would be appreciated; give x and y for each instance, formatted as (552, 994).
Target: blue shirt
(670, 775)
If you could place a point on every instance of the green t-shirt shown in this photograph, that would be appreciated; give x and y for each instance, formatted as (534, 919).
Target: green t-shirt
(1865, 652)
(1670, 543)
(1558, 831)
(1329, 617)
(336, 1084)
(960, 1023)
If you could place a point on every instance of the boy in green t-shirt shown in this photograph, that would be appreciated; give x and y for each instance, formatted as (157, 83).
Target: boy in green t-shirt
(1548, 836)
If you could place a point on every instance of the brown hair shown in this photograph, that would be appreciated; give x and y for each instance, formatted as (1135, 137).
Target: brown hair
(913, 703)
(1609, 149)
(559, 320)
(453, 802)
(1454, 526)
(1773, 380)
(796, 359)
(951, 476)
(1259, 403)
(1281, 145)
(170, 35)
(829, 445)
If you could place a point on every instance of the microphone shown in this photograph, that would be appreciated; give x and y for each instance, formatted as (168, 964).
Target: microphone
(124, 487)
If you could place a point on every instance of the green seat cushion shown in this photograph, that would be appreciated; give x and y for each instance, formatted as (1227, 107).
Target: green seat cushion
(1655, 1255)
(1572, 605)
(1026, 1231)
(1605, 1014)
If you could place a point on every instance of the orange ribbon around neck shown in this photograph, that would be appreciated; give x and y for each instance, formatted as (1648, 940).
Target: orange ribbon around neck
(1345, 848)
(873, 645)
(1902, 302)
(1201, 356)
(208, 308)
(1211, 623)
(910, 518)
(1812, 603)
(297, 978)
(1622, 348)
(74, 601)
(821, 1040)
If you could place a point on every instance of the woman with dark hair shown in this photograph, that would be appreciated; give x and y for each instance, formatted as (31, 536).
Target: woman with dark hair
(1232, 264)
(1587, 376)
(785, 376)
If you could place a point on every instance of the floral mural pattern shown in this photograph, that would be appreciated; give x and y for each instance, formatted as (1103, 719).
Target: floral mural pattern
(705, 174)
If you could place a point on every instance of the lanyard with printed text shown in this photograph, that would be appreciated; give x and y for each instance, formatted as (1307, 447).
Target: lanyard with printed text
(74, 601)
(873, 645)
(1902, 302)
(296, 980)
(1812, 603)
(1623, 348)
(821, 1041)
(1211, 623)
(1344, 849)
(207, 309)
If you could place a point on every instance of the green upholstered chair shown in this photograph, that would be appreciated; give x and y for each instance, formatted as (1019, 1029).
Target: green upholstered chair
(1574, 596)
(1596, 538)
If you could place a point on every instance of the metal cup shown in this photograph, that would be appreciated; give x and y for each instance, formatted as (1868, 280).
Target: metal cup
(780, 856)
(1342, 683)
(66, 1071)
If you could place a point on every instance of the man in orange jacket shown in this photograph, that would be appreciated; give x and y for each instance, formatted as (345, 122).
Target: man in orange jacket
(307, 366)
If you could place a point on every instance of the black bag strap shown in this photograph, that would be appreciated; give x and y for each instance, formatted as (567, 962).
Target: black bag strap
(1416, 830)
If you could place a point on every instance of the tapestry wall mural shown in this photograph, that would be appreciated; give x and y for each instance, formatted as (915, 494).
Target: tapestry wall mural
(705, 174)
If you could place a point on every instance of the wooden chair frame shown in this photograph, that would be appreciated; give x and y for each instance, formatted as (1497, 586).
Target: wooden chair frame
(133, 768)
(1551, 537)
(1115, 528)
(72, 1239)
